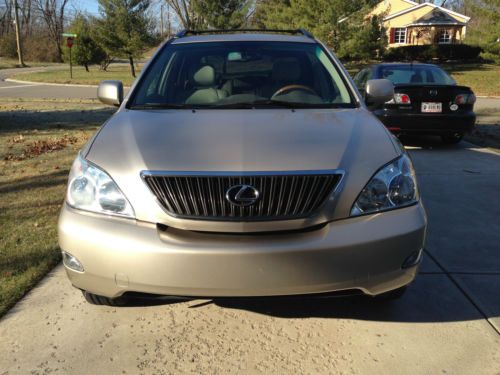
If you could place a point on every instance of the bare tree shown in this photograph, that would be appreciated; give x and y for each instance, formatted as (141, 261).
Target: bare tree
(25, 9)
(52, 12)
(186, 13)
(5, 17)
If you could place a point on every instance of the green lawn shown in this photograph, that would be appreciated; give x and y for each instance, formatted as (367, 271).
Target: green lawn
(38, 142)
(8, 63)
(482, 78)
(80, 75)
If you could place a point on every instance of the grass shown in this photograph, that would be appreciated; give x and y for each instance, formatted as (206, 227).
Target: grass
(482, 78)
(80, 75)
(38, 141)
(8, 63)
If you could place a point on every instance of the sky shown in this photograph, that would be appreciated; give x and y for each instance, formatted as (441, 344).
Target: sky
(89, 6)
(92, 7)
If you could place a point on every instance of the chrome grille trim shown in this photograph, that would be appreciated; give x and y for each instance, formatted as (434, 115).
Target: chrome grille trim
(285, 195)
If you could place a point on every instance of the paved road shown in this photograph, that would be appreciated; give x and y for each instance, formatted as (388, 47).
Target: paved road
(39, 90)
(448, 322)
(21, 90)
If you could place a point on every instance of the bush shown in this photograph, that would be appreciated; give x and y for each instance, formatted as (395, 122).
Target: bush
(85, 49)
(491, 52)
(433, 51)
(40, 48)
(85, 52)
(8, 46)
(35, 48)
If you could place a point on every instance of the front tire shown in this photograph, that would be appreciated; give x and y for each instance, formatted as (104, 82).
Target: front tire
(392, 295)
(452, 138)
(97, 300)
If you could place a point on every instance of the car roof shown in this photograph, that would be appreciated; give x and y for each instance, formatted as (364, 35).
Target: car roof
(244, 37)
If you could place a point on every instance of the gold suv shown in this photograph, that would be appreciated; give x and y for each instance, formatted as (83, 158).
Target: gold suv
(242, 164)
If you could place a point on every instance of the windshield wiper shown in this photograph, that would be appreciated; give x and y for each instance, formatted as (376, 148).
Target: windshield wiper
(284, 104)
(276, 103)
(262, 103)
(232, 105)
(237, 105)
(160, 106)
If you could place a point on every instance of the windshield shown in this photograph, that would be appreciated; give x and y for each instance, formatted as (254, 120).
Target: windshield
(416, 74)
(242, 75)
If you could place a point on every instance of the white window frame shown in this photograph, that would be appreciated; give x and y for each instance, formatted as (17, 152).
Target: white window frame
(400, 35)
(444, 36)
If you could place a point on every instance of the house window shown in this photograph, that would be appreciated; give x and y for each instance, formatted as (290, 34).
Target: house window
(444, 37)
(400, 35)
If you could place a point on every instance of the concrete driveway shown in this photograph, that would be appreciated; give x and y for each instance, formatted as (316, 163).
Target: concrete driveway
(447, 323)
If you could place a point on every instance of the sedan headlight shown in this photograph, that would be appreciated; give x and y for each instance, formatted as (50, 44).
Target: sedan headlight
(393, 186)
(92, 189)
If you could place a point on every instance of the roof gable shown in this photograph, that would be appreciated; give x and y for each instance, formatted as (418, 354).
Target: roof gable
(418, 6)
(437, 17)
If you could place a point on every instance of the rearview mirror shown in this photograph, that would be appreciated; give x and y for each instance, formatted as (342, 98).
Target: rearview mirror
(110, 92)
(378, 91)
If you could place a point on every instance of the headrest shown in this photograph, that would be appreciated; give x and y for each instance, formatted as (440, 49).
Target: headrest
(416, 78)
(205, 76)
(286, 70)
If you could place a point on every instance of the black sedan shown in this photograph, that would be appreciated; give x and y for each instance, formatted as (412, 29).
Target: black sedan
(426, 100)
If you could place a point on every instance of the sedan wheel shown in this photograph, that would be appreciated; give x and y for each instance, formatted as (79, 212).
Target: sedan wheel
(452, 138)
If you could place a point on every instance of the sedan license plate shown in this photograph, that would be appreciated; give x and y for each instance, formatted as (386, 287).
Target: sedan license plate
(432, 107)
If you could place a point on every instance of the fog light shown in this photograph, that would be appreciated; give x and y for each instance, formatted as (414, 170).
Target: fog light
(71, 262)
(413, 259)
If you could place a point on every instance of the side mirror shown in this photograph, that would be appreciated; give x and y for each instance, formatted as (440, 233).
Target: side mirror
(110, 92)
(379, 91)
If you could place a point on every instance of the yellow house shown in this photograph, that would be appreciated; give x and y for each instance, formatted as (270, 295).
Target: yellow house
(411, 23)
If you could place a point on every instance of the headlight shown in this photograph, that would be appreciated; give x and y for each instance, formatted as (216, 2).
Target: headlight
(92, 189)
(393, 186)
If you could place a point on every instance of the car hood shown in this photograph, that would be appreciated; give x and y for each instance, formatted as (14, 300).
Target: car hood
(239, 141)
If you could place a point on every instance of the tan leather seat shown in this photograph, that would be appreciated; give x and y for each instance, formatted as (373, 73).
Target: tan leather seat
(205, 92)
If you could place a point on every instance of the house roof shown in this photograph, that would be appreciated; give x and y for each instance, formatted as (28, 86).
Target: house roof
(418, 6)
(436, 17)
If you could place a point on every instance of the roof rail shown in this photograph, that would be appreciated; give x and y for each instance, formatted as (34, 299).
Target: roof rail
(180, 34)
(184, 33)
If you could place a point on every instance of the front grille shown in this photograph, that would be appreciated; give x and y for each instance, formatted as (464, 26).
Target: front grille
(286, 196)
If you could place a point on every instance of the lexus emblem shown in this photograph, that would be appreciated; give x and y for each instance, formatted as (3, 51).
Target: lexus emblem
(242, 195)
(433, 92)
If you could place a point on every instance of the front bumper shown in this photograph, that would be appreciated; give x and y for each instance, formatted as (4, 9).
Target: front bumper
(424, 123)
(364, 253)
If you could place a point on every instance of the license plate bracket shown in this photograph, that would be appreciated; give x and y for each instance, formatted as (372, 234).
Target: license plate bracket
(432, 107)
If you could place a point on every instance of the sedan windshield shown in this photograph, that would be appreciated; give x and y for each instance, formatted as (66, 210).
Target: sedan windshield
(242, 75)
(416, 74)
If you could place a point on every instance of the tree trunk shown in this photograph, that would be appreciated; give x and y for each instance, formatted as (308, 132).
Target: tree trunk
(132, 68)
(59, 51)
(86, 67)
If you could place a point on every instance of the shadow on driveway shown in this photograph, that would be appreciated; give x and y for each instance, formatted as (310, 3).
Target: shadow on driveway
(431, 298)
